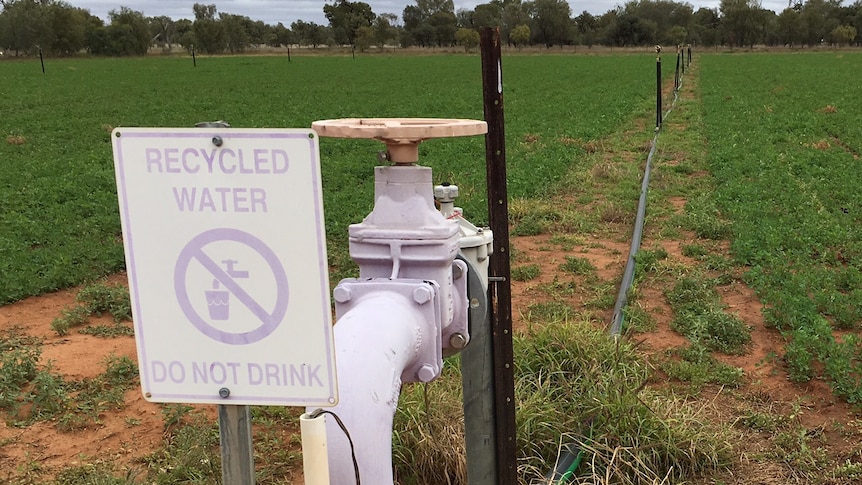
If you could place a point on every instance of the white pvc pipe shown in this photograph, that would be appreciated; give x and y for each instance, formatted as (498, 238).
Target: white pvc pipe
(374, 341)
(315, 461)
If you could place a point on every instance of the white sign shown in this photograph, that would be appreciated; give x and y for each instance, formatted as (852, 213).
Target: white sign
(225, 250)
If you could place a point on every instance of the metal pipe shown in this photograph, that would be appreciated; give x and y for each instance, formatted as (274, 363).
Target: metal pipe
(375, 341)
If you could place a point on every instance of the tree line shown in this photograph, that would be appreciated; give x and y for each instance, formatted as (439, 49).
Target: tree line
(59, 28)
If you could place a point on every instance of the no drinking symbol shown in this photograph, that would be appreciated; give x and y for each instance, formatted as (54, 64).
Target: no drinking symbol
(215, 303)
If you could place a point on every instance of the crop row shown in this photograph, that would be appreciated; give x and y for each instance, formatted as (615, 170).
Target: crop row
(784, 143)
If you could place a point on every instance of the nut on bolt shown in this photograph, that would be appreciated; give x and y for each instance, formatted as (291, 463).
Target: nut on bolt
(422, 295)
(342, 294)
(457, 341)
(426, 373)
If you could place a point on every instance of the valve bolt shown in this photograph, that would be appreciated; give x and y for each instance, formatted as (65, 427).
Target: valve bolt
(426, 373)
(422, 295)
(457, 341)
(341, 294)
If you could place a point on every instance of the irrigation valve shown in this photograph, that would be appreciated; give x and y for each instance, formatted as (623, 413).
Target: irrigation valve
(410, 305)
(405, 245)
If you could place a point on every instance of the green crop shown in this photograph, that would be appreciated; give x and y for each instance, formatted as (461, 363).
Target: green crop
(59, 220)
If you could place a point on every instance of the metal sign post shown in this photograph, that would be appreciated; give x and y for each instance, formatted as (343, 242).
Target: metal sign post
(500, 293)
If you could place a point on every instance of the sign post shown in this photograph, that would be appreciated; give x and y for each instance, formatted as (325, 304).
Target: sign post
(225, 250)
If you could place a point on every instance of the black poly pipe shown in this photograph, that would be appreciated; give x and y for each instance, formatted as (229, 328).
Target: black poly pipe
(628, 274)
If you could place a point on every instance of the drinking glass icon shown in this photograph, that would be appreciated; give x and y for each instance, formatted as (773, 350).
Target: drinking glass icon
(218, 302)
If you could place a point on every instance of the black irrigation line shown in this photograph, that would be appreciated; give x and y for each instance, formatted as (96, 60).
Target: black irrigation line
(629, 273)
(571, 455)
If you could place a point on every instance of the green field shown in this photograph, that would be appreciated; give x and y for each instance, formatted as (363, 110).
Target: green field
(764, 151)
(58, 210)
(785, 137)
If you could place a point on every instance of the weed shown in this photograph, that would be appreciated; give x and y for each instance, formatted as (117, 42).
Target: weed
(525, 272)
(697, 367)
(699, 315)
(191, 455)
(109, 331)
(579, 266)
(849, 469)
(48, 395)
(120, 371)
(553, 310)
(759, 421)
(616, 214)
(70, 317)
(567, 242)
(101, 298)
(557, 289)
(93, 474)
(648, 260)
(95, 299)
(530, 225)
(703, 217)
(693, 250)
(638, 319)
(174, 415)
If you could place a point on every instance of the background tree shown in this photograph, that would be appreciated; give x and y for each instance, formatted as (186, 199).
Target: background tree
(467, 38)
(488, 15)
(185, 34)
(677, 35)
(585, 26)
(209, 33)
(24, 25)
(789, 27)
(429, 22)
(364, 38)
(631, 30)
(346, 17)
(385, 29)
(310, 33)
(236, 35)
(819, 18)
(162, 29)
(280, 36)
(843, 34)
(68, 28)
(738, 21)
(514, 14)
(445, 25)
(521, 35)
(552, 21)
(705, 27)
(129, 32)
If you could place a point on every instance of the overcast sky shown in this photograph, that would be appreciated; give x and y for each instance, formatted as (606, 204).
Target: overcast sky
(288, 11)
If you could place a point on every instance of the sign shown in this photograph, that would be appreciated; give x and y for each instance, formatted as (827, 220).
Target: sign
(225, 250)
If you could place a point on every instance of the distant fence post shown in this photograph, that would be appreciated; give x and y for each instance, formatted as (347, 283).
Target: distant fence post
(194, 59)
(41, 60)
(658, 87)
(681, 55)
(676, 73)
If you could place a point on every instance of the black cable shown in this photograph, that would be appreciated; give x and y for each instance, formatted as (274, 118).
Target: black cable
(316, 413)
